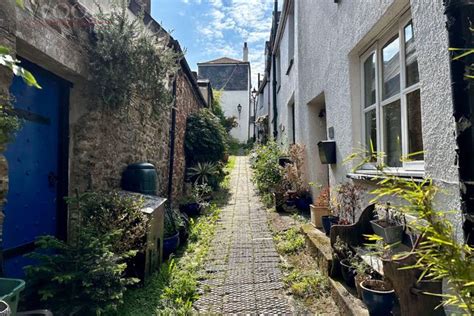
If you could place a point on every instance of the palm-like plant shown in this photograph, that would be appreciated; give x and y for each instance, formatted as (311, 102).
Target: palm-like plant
(203, 172)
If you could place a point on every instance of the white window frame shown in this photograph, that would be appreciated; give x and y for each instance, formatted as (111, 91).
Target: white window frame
(397, 29)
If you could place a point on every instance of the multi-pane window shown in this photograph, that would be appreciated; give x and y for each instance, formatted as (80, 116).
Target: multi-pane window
(391, 99)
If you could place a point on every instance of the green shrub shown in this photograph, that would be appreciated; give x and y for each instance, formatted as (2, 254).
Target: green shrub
(85, 277)
(87, 274)
(105, 212)
(268, 174)
(205, 139)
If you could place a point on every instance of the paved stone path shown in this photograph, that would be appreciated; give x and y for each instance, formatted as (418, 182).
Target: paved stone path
(242, 274)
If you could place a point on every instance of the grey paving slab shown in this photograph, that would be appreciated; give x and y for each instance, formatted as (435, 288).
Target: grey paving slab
(242, 269)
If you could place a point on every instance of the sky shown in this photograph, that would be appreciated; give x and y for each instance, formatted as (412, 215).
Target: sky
(210, 29)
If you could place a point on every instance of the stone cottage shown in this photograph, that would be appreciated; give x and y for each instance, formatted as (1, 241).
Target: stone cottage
(357, 73)
(68, 143)
(233, 78)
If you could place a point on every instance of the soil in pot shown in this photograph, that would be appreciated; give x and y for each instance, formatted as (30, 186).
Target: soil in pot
(348, 273)
(378, 296)
(170, 245)
(328, 221)
(358, 280)
(390, 233)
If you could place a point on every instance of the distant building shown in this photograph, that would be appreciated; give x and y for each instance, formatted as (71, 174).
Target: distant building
(233, 78)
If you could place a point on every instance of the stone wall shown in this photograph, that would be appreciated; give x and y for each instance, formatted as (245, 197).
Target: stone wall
(106, 141)
(186, 104)
(102, 142)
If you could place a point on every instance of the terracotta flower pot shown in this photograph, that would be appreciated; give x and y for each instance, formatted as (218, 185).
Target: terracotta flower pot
(316, 213)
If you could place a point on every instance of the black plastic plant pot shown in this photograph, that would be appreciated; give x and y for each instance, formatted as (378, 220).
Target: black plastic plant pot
(282, 161)
(303, 204)
(327, 152)
(328, 221)
(191, 209)
(170, 245)
(348, 273)
(379, 302)
(291, 202)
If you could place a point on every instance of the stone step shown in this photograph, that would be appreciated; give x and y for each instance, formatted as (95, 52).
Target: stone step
(320, 246)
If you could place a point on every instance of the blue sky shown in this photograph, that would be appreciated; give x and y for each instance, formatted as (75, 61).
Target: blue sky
(209, 29)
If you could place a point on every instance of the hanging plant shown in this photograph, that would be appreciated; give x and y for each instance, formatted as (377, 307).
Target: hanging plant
(128, 63)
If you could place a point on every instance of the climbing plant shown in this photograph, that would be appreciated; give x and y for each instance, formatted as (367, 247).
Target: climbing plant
(128, 62)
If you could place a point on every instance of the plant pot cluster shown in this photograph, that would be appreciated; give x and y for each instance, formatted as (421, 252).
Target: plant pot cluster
(390, 227)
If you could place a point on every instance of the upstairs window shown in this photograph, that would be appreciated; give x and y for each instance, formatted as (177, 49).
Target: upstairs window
(291, 37)
(391, 99)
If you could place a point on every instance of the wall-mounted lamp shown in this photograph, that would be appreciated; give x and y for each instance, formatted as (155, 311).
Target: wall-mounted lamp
(239, 108)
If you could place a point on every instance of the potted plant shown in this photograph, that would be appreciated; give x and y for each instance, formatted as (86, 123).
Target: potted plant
(303, 201)
(328, 221)
(171, 234)
(378, 295)
(344, 255)
(347, 202)
(362, 272)
(390, 227)
(320, 208)
(205, 173)
(193, 204)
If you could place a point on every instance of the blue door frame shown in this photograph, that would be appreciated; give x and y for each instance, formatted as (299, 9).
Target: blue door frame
(38, 167)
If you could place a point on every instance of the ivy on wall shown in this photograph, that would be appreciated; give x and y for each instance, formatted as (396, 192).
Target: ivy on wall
(129, 63)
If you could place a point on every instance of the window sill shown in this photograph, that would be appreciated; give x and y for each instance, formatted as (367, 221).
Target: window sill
(374, 175)
(290, 66)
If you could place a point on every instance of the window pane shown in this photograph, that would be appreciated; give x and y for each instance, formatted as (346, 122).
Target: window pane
(393, 134)
(391, 68)
(415, 138)
(369, 80)
(371, 131)
(411, 61)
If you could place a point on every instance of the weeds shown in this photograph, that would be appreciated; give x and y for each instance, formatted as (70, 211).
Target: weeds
(307, 284)
(290, 241)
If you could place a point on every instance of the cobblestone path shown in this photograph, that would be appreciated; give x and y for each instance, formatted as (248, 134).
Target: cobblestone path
(242, 274)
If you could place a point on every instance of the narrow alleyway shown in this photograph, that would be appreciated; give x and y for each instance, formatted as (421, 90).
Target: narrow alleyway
(242, 273)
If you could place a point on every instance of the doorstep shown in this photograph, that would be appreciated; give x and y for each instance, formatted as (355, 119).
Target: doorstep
(320, 246)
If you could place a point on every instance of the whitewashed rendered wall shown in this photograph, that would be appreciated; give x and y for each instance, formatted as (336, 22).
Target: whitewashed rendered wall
(229, 101)
(330, 40)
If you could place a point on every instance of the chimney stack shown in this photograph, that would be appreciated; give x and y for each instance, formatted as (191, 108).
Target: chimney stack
(246, 52)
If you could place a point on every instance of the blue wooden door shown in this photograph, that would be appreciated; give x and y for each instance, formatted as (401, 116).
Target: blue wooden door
(33, 159)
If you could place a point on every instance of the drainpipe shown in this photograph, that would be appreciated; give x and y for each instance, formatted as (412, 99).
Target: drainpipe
(458, 13)
(275, 108)
(172, 143)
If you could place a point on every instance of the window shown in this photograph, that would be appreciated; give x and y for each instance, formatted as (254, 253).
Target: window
(278, 69)
(391, 107)
(291, 37)
(292, 123)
